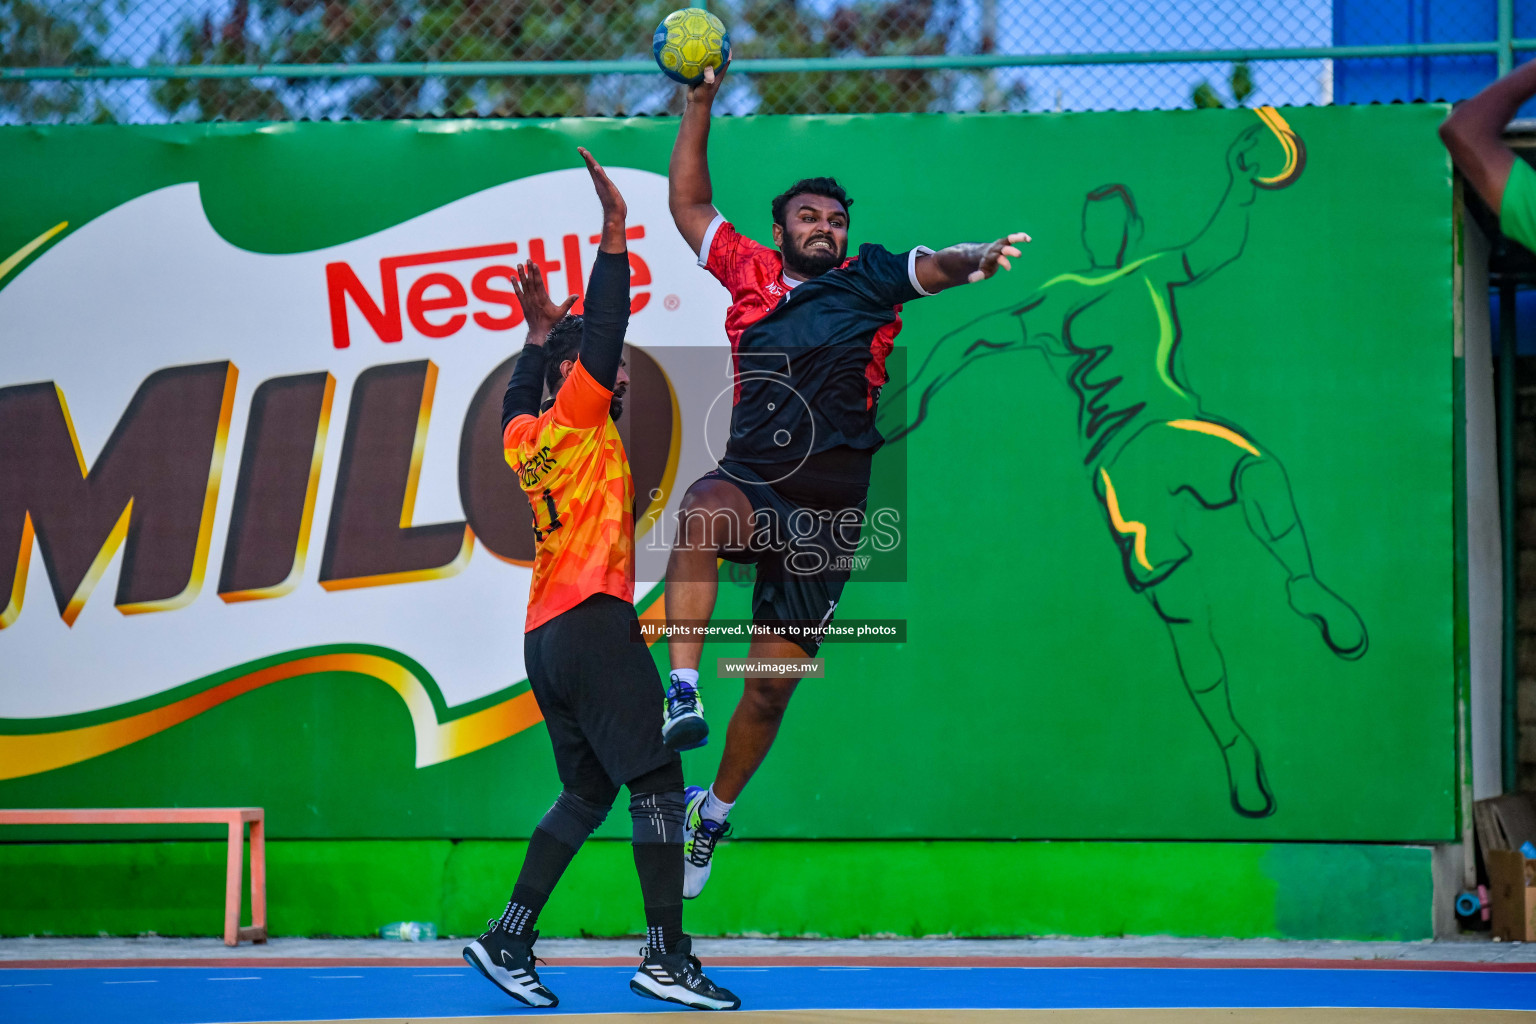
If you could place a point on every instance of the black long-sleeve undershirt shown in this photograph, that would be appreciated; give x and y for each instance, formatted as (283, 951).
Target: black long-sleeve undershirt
(526, 387)
(603, 325)
(606, 317)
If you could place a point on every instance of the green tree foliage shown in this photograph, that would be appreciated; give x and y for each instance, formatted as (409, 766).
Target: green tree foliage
(910, 28)
(1239, 82)
(203, 41)
(58, 34)
(406, 31)
(358, 31)
(263, 32)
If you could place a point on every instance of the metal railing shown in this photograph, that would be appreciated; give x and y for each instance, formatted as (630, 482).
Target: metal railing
(163, 60)
(767, 65)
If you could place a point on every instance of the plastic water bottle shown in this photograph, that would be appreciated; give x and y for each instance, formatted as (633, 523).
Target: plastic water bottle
(409, 931)
(1527, 850)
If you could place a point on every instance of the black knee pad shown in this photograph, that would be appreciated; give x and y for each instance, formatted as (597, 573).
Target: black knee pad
(657, 817)
(665, 779)
(573, 818)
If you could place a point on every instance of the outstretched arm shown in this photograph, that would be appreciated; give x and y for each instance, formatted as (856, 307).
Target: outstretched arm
(1474, 133)
(1226, 233)
(966, 263)
(689, 193)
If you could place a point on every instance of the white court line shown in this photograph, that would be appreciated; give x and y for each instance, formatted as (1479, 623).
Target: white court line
(29, 984)
(251, 978)
(332, 977)
(141, 981)
(445, 973)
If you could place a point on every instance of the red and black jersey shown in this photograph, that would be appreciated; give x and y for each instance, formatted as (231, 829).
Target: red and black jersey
(809, 358)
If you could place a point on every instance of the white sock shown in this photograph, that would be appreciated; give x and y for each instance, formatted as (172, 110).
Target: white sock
(714, 808)
(686, 675)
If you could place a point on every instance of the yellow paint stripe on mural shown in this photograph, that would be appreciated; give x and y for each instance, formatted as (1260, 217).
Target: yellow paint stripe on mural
(435, 741)
(1287, 138)
(1216, 430)
(12, 261)
(1131, 528)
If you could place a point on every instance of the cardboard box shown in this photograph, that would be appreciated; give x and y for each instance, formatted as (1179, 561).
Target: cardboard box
(1512, 895)
(1503, 823)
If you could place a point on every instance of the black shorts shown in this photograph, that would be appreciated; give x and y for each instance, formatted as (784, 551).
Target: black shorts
(805, 530)
(600, 694)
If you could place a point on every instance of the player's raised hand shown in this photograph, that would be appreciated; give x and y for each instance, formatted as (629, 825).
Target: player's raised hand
(538, 307)
(704, 92)
(614, 207)
(996, 254)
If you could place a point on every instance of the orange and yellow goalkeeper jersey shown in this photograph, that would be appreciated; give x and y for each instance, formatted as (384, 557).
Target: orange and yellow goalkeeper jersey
(573, 467)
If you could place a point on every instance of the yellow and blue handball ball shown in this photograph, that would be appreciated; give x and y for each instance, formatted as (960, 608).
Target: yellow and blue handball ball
(687, 42)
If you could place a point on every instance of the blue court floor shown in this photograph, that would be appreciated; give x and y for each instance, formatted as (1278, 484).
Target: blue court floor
(255, 993)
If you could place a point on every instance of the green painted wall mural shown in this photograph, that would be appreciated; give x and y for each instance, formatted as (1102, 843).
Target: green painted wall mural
(1110, 331)
(1194, 449)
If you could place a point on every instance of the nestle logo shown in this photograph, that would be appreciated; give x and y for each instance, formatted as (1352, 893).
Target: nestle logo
(437, 303)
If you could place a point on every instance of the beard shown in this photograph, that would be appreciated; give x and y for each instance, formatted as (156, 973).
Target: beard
(616, 405)
(808, 263)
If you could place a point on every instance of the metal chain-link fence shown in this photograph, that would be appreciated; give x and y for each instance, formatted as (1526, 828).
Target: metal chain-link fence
(120, 59)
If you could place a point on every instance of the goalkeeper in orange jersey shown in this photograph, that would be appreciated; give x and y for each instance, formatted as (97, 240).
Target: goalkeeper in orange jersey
(594, 680)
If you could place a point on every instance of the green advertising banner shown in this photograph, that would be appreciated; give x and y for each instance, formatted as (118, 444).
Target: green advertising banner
(1172, 498)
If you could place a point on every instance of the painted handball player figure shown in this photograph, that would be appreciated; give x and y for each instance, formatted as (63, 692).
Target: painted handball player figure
(810, 329)
(595, 682)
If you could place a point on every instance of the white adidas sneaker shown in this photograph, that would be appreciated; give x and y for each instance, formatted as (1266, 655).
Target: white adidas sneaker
(701, 835)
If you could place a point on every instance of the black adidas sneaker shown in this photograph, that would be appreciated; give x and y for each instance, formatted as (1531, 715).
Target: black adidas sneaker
(508, 962)
(678, 977)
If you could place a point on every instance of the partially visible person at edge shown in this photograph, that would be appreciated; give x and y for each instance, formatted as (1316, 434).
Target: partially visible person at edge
(1474, 133)
(810, 329)
(595, 682)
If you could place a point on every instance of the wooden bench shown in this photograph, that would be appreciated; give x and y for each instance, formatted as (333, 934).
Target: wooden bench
(234, 817)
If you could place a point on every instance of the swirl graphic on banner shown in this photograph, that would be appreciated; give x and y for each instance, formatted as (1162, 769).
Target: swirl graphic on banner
(436, 740)
(16, 258)
(49, 744)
